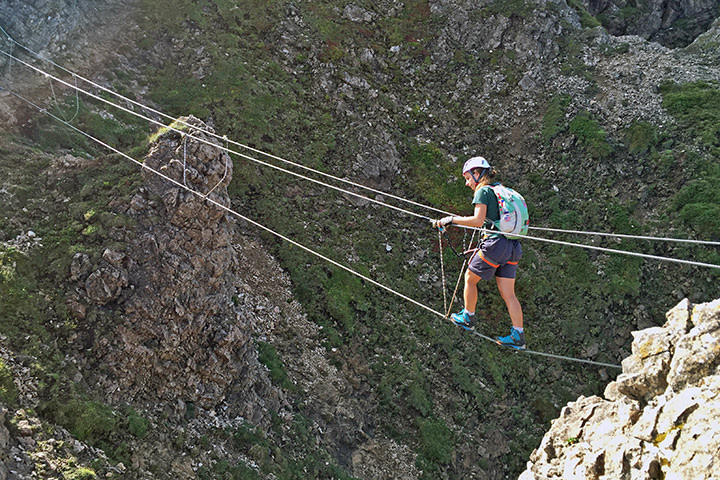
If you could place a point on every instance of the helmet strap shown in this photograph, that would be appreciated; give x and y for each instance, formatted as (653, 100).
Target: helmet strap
(477, 180)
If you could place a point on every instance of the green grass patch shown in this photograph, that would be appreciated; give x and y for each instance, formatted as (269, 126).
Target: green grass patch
(436, 180)
(629, 13)
(436, 446)
(344, 295)
(80, 473)
(118, 129)
(23, 310)
(417, 391)
(698, 204)
(622, 277)
(590, 135)
(640, 137)
(173, 127)
(553, 121)
(88, 420)
(269, 357)
(586, 20)
(8, 390)
(571, 48)
(297, 458)
(137, 424)
(696, 106)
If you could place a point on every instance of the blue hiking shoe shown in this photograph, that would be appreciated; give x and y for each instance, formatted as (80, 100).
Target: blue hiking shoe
(515, 340)
(464, 319)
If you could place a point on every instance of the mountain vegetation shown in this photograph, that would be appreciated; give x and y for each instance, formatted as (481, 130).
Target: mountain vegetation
(333, 377)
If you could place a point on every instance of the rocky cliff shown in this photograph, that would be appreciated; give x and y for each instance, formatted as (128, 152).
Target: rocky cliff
(671, 23)
(85, 33)
(146, 335)
(181, 338)
(4, 444)
(53, 27)
(658, 420)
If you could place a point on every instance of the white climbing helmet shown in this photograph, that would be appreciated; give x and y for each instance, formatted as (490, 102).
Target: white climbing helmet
(473, 163)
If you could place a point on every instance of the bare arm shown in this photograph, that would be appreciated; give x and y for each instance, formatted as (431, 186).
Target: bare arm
(476, 220)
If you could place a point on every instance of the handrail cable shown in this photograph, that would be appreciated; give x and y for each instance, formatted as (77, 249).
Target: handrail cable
(603, 249)
(289, 240)
(248, 147)
(207, 142)
(290, 172)
(634, 237)
(318, 172)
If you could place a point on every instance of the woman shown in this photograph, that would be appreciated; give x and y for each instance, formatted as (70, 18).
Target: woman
(497, 257)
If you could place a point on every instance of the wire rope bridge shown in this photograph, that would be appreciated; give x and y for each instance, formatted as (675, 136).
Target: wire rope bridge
(12, 58)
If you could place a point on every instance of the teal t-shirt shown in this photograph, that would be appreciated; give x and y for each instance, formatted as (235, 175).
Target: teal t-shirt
(486, 196)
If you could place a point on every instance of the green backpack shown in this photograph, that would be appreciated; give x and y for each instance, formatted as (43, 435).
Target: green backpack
(514, 219)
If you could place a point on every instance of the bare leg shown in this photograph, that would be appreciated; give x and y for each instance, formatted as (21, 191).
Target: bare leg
(470, 294)
(507, 291)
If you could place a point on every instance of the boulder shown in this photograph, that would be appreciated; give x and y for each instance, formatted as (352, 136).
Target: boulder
(105, 284)
(80, 267)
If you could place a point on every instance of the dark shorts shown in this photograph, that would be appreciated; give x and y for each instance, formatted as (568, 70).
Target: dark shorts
(498, 257)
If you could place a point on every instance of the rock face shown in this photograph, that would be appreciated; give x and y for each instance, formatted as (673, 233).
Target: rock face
(658, 419)
(4, 443)
(54, 28)
(50, 27)
(674, 23)
(706, 44)
(180, 336)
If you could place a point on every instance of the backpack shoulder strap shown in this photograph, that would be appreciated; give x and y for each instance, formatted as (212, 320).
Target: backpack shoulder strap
(494, 224)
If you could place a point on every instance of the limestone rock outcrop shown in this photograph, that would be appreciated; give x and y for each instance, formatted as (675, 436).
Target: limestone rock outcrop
(658, 420)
